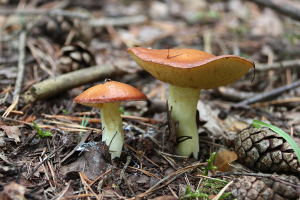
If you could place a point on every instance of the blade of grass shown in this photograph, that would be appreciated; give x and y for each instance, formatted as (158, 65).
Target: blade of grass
(258, 124)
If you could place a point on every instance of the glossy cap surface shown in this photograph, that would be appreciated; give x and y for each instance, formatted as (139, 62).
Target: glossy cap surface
(191, 67)
(109, 91)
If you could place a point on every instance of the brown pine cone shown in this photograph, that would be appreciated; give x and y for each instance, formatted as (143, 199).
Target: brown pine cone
(261, 188)
(58, 28)
(265, 151)
(74, 57)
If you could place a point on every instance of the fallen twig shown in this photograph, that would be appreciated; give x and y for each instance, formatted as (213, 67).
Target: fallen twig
(234, 95)
(277, 65)
(170, 178)
(20, 75)
(45, 159)
(285, 7)
(265, 95)
(86, 135)
(21, 65)
(123, 21)
(62, 83)
(98, 120)
(81, 174)
(222, 191)
(270, 176)
(128, 159)
(64, 13)
(279, 101)
(131, 148)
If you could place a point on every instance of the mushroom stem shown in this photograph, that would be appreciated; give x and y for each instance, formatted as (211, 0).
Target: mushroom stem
(183, 102)
(112, 130)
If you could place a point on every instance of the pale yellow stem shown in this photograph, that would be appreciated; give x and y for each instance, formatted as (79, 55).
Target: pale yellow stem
(183, 102)
(112, 128)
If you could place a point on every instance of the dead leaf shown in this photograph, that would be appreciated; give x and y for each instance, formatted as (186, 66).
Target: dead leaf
(12, 132)
(13, 191)
(222, 158)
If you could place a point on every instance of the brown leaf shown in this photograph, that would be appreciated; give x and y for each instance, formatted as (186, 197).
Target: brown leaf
(13, 191)
(222, 158)
(12, 132)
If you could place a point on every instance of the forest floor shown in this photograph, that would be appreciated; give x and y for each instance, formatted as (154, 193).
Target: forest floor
(62, 157)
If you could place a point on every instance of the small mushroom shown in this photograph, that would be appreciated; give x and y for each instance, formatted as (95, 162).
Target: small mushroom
(107, 97)
(188, 71)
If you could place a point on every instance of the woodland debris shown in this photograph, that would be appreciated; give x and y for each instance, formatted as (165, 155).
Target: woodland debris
(232, 94)
(285, 7)
(62, 83)
(124, 21)
(277, 65)
(270, 94)
(46, 12)
(21, 65)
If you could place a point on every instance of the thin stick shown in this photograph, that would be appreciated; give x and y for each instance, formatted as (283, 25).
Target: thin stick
(274, 102)
(270, 176)
(95, 120)
(123, 21)
(141, 154)
(145, 172)
(85, 183)
(20, 75)
(277, 65)
(285, 7)
(265, 95)
(128, 159)
(170, 178)
(21, 65)
(86, 135)
(99, 177)
(128, 185)
(64, 13)
(45, 159)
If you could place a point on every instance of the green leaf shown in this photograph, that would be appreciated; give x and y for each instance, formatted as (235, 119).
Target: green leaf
(65, 112)
(258, 124)
(210, 165)
(41, 133)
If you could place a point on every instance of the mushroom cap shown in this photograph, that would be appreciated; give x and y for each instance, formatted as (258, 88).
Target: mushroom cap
(190, 67)
(109, 91)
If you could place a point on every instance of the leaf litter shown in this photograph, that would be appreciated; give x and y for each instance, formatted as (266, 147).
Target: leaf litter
(55, 167)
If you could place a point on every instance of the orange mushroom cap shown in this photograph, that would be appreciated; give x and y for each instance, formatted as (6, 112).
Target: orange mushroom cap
(190, 67)
(109, 91)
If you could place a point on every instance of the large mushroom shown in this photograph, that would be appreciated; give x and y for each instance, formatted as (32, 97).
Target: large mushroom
(188, 71)
(107, 97)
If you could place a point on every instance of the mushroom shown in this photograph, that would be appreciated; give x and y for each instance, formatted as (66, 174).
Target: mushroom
(188, 71)
(107, 97)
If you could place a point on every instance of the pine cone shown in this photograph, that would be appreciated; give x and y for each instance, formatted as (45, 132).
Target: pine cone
(266, 151)
(74, 57)
(259, 188)
(58, 28)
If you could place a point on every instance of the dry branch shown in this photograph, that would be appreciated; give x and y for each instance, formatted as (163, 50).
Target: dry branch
(266, 95)
(21, 65)
(278, 65)
(123, 21)
(64, 13)
(62, 83)
(285, 7)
